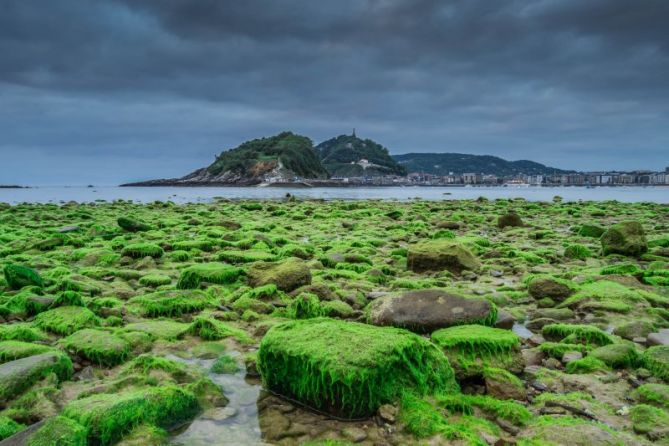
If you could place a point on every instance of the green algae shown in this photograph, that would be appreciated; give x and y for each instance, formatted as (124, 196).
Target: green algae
(9, 427)
(66, 320)
(59, 431)
(109, 416)
(349, 368)
(211, 329)
(171, 303)
(656, 359)
(214, 273)
(141, 250)
(159, 329)
(589, 364)
(18, 276)
(225, 365)
(585, 334)
(100, 347)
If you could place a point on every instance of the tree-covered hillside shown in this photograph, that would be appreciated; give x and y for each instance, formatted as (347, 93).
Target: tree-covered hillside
(295, 152)
(459, 163)
(338, 154)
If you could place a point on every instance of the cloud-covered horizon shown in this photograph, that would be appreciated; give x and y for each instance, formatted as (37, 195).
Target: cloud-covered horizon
(112, 91)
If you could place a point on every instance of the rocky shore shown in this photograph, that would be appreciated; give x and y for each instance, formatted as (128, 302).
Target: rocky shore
(335, 323)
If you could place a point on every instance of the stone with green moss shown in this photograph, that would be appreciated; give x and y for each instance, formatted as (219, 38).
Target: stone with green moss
(18, 276)
(141, 250)
(171, 303)
(439, 255)
(576, 333)
(16, 376)
(623, 355)
(108, 417)
(9, 427)
(471, 348)
(212, 273)
(159, 329)
(656, 359)
(287, 275)
(66, 320)
(349, 369)
(98, 346)
(626, 238)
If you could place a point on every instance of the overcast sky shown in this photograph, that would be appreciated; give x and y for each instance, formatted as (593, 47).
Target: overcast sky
(109, 91)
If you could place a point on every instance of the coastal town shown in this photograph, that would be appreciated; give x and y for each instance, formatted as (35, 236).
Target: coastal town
(585, 179)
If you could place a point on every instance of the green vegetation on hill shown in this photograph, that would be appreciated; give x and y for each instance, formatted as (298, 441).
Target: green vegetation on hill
(459, 163)
(261, 155)
(338, 153)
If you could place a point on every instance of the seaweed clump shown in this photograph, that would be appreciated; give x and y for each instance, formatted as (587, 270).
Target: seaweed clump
(347, 368)
(216, 273)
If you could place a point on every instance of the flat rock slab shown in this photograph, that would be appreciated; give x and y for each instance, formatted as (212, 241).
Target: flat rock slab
(424, 311)
(659, 338)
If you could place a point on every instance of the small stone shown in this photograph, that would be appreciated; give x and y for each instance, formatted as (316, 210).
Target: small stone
(507, 426)
(354, 434)
(496, 273)
(571, 356)
(532, 356)
(640, 340)
(623, 411)
(553, 364)
(504, 320)
(538, 386)
(388, 413)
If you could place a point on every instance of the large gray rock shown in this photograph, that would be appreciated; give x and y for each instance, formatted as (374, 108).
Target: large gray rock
(659, 338)
(424, 311)
(18, 375)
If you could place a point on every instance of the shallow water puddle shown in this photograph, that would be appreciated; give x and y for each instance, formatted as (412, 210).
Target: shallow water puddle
(521, 330)
(234, 424)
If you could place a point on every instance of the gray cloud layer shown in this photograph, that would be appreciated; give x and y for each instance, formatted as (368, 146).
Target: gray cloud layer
(107, 91)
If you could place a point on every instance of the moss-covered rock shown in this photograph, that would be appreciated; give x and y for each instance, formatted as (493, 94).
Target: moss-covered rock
(287, 275)
(98, 346)
(656, 359)
(509, 220)
(56, 431)
(163, 329)
(171, 302)
(132, 224)
(471, 348)
(212, 273)
(66, 320)
(626, 238)
(141, 250)
(575, 333)
(109, 416)
(552, 287)
(16, 376)
(18, 276)
(439, 255)
(622, 355)
(425, 311)
(347, 368)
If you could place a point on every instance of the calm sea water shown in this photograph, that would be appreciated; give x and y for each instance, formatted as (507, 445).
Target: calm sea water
(205, 194)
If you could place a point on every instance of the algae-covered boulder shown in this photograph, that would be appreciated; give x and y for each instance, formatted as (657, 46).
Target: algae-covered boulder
(287, 275)
(569, 431)
(100, 347)
(546, 286)
(656, 359)
(425, 311)
(617, 355)
(18, 375)
(347, 368)
(439, 255)
(214, 273)
(18, 276)
(109, 416)
(472, 348)
(626, 238)
(170, 302)
(66, 320)
(55, 431)
(593, 231)
(141, 250)
(132, 225)
(511, 220)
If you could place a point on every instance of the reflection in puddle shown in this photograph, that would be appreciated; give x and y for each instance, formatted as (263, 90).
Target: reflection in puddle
(234, 424)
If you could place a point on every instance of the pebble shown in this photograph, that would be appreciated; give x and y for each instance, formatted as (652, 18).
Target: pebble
(354, 434)
(571, 356)
(388, 413)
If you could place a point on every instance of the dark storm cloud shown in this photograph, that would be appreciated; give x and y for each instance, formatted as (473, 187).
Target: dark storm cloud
(155, 88)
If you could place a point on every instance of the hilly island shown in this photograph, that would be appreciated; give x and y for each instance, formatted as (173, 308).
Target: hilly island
(291, 158)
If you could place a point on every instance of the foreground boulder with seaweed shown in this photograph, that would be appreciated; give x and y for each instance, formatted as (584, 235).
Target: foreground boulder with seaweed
(293, 322)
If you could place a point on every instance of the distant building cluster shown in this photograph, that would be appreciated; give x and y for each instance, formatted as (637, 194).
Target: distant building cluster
(634, 178)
